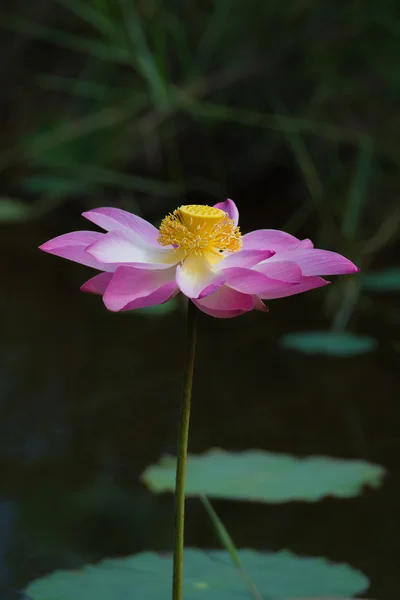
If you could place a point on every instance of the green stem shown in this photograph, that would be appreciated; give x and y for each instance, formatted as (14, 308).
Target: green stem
(182, 454)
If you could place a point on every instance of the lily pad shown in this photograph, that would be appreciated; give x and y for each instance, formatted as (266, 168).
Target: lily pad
(207, 576)
(260, 476)
(331, 343)
(387, 280)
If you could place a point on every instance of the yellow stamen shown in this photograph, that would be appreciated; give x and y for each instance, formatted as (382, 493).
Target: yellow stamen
(200, 230)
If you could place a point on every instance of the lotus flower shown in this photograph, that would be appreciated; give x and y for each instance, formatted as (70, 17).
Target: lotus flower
(199, 251)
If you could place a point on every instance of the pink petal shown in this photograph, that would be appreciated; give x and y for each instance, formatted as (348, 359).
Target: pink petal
(283, 270)
(225, 303)
(214, 286)
(308, 283)
(271, 239)
(112, 219)
(165, 293)
(194, 275)
(116, 247)
(72, 246)
(243, 258)
(139, 286)
(253, 281)
(230, 208)
(259, 304)
(317, 262)
(306, 244)
(97, 284)
(250, 281)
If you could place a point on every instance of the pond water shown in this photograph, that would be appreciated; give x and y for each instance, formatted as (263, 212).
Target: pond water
(90, 398)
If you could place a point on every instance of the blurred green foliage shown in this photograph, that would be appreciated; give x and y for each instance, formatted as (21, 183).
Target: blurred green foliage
(164, 100)
(168, 98)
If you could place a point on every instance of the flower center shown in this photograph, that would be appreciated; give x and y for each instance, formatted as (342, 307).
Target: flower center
(198, 230)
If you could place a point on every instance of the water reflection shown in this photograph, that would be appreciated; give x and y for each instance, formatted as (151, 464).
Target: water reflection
(89, 398)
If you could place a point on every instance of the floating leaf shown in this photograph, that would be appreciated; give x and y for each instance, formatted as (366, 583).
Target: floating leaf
(207, 576)
(260, 476)
(387, 280)
(332, 343)
(13, 210)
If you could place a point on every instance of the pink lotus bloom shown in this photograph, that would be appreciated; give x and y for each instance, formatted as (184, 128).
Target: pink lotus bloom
(199, 251)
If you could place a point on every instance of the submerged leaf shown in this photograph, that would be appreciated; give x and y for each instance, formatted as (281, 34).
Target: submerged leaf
(207, 576)
(332, 343)
(387, 280)
(260, 476)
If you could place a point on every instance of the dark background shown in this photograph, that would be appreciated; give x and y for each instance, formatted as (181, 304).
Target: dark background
(291, 109)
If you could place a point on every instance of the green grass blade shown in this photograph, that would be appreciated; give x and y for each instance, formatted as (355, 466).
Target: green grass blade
(142, 55)
(350, 297)
(229, 545)
(75, 87)
(32, 146)
(305, 163)
(358, 189)
(90, 15)
(301, 154)
(95, 174)
(178, 37)
(214, 30)
(105, 7)
(222, 532)
(99, 50)
(74, 129)
(39, 184)
(275, 122)
(298, 218)
(386, 234)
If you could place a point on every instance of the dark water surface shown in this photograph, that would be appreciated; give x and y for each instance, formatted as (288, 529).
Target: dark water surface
(90, 398)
